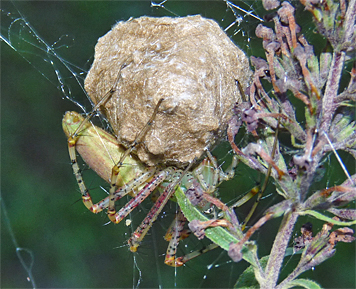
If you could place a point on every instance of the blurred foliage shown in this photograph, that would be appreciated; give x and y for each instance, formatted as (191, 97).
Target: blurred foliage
(72, 247)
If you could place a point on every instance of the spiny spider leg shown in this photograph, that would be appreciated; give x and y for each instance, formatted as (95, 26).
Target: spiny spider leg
(116, 168)
(78, 174)
(129, 187)
(147, 223)
(175, 233)
(208, 181)
(209, 185)
(141, 196)
(103, 100)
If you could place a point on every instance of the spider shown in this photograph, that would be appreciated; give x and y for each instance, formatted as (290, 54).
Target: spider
(168, 70)
(101, 151)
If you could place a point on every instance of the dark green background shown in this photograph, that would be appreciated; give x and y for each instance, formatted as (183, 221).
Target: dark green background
(71, 246)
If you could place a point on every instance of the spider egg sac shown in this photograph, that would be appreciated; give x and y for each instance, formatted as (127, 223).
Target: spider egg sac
(190, 63)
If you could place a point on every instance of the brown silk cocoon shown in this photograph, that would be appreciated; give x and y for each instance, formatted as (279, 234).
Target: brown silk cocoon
(190, 63)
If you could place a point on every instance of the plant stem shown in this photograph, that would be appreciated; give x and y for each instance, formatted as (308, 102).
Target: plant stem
(331, 90)
(278, 250)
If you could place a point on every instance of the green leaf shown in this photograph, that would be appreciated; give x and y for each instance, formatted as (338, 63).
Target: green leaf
(247, 278)
(326, 218)
(305, 283)
(217, 235)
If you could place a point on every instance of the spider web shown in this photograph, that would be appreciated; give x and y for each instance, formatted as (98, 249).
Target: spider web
(67, 245)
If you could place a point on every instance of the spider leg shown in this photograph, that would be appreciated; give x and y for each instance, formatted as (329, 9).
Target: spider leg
(116, 168)
(175, 233)
(147, 223)
(162, 200)
(117, 217)
(178, 222)
(99, 104)
(184, 259)
(78, 174)
(125, 189)
(210, 181)
(229, 172)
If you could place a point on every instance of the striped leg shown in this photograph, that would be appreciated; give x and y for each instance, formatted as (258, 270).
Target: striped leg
(175, 233)
(116, 168)
(147, 223)
(138, 199)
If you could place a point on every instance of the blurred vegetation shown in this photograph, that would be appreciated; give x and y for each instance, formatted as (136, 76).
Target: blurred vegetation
(73, 248)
